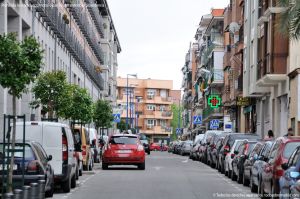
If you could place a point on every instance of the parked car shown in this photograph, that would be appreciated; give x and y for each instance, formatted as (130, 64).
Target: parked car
(196, 144)
(272, 171)
(228, 143)
(154, 147)
(229, 157)
(57, 140)
(124, 149)
(256, 170)
(95, 148)
(212, 146)
(215, 153)
(239, 159)
(205, 143)
(82, 138)
(291, 173)
(144, 141)
(36, 165)
(186, 147)
(250, 161)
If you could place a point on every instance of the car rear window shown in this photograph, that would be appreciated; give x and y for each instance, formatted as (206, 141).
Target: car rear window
(241, 136)
(29, 155)
(290, 148)
(123, 140)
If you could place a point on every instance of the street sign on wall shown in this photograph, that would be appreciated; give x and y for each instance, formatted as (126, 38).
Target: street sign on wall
(117, 118)
(197, 119)
(214, 124)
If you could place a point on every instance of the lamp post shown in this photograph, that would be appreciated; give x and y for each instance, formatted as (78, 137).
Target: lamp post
(133, 75)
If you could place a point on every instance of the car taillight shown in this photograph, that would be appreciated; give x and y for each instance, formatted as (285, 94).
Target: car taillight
(226, 149)
(64, 148)
(232, 156)
(33, 167)
(83, 150)
(279, 171)
(140, 148)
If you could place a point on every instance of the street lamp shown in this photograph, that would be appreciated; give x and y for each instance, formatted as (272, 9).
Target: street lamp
(133, 75)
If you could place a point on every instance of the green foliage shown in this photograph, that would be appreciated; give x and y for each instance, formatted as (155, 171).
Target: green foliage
(174, 123)
(79, 105)
(20, 63)
(103, 114)
(51, 90)
(290, 19)
(121, 126)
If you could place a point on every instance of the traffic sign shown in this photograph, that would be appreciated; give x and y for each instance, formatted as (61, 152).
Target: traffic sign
(197, 119)
(178, 131)
(214, 101)
(214, 124)
(117, 118)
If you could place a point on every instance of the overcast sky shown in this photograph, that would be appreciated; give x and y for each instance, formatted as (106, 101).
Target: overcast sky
(155, 35)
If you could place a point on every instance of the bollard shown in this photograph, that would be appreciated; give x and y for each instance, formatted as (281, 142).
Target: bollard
(26, 192)
(42, 184)
(34, 194)
(18, 194)
(8, 196)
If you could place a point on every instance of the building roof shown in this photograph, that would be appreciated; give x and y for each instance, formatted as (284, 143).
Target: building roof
(217, 12)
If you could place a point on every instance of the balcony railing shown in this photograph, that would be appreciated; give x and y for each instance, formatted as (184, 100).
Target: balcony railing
(53, 18)
(97, 17)
(207, 112)
(166, 114)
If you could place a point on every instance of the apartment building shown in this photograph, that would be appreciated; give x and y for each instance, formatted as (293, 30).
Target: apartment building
(149, 106)
(77, 37)
(235, 105)
(209, 76)
(265, 67)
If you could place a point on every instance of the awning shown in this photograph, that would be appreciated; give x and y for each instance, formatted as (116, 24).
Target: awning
(247, 109)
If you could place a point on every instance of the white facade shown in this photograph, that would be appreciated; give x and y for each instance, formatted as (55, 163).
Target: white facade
(25, 20)
(271, 98)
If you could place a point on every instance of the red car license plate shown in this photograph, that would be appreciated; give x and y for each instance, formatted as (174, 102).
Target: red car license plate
(124, 151)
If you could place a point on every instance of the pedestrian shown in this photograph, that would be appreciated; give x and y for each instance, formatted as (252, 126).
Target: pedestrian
(270, 135)
(290, 133)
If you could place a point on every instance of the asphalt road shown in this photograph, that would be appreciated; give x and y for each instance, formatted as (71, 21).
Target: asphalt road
(167, 176)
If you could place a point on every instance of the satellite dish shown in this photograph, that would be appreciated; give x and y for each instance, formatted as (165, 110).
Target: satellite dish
(234, 27)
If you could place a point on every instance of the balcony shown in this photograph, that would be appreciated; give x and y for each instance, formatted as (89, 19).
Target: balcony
(212, 113)
(217, 77)
(267, 74)
(227, 17)
(96, 16)
(226, 60)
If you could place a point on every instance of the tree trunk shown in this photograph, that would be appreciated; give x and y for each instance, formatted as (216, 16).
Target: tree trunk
(13, 140)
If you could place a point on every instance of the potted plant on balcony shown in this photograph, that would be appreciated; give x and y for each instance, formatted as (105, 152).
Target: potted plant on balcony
(66, 19)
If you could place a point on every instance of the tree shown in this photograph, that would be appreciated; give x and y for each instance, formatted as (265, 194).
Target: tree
(103, 114)
(80, 107)
(290, 18)
(174, 123)
(122, 126)
(50, 91)
(20, 64)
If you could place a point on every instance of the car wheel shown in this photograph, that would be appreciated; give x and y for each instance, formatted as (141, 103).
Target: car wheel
(233, 176)
(253, 187)
(245, 181)
(104, 166)
(73, 181)
(142, 166)
(274, 194)
(77, 173)
(80, 168)
(239, 177)
(49, 194)
(66, 185)
(148, 152)
(229, 173)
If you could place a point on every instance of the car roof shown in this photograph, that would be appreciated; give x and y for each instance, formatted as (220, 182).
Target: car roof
(42, 122)
(124, 135)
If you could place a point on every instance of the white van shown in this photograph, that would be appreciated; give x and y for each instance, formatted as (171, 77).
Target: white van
(57, 140)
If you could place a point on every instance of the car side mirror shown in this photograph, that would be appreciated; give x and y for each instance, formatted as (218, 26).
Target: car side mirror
(49, 158)
(284, 166)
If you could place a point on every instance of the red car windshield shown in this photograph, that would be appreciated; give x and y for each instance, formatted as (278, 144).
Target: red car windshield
(123, 140)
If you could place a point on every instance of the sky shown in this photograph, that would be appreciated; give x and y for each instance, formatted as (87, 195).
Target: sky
(155, 35)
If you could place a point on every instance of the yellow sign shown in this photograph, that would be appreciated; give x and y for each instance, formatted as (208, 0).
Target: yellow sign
(243, 101)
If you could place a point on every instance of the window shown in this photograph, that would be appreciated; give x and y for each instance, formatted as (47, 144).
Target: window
(123, 140)
(150, 122)
(290, 148)
(150, 107)
(163, 123)
(274, 150)
(151, 93)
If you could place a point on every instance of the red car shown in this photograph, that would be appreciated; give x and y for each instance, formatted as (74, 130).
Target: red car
(124, 149)
(154, 147)
(279, 154)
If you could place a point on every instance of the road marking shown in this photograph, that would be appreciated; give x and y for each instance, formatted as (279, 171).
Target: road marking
(186, 161)
(157, 168)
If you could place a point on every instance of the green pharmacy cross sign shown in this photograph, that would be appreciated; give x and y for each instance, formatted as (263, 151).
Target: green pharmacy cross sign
(214, 101)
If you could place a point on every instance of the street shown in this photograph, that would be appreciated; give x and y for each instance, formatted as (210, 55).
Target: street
(167, 176)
